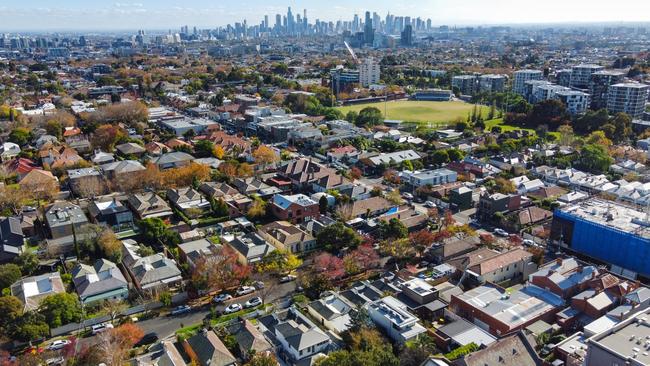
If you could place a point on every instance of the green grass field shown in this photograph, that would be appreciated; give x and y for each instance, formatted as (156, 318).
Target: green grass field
(436, 113)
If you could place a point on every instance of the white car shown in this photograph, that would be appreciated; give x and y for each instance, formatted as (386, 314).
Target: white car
(429, 204)
(287, 278)
(221, 298)
(57, 345)
(407, 196)
(245, 290)
(232, 308)
(501, 232)
(529, 243)
(98, 328)
(256, 301)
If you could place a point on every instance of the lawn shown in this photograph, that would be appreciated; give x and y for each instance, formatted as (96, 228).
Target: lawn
(505, 128)
(436, 113)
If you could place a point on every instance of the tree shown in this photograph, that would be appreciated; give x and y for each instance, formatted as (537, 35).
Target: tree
(551, 112)
(336, 237)
(399, 249)
(566, 135)
(440, 157)
(394, 197)
(244, 170)
(278, 262)
(60, 309)
(421, 240)
(262, 359)
(369, 117)
(219, 272)
(329, 265)
(360, 260)
(11, 309)
(257, 209)
(265, 156)
(28, 262)
(154, 230)
(9, 273)
(106, 136)
(204, 148)
(110, 245)
(455, 154)
(115, 343)
(20, 136)
(31, 325)
(393, 229)
(54, 128)
(219, 207)
(598, 138)
(504, 186)
(218, 152)
(322, 205)
(594, 158)
(365, 346)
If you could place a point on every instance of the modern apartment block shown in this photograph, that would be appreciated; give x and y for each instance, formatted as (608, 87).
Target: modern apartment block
(581, 75)
(628, 97)
(369, 72)
(576, 102)
(466, 84)
(563, 77)
(491, 83)
(522, 76)
(599, 86)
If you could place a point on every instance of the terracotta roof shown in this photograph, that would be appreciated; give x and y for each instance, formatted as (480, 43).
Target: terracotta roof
(371, 204)
(501, 260)
(533, 214)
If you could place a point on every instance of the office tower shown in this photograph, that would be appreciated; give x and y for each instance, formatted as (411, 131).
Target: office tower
(266, 23)
(521, 77)
(290, 21)
(407, 36)
(355, 23)
(627, 97)
(368, 31)
(278, 22)
(369, 72)
(599, 85)
(429, 24)
(581, 75)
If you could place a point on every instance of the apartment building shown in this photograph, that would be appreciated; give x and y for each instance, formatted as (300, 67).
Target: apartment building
(627, 97)
(521, 77)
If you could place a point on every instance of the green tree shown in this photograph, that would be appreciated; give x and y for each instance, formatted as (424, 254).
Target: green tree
(60, 309)
(20, 136)
(11, 309)
(31, 325)
(204, 148)
(9, 273)
(595, 159)
(337, 236)
(154, 230)
(393, 229)
(369, 117)
(455, 154)
(28, 262)
(322, 204)
(440, 157)
(219, 207)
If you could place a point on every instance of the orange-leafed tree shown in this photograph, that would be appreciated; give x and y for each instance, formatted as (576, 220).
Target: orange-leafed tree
(221, 271)
(421, 240)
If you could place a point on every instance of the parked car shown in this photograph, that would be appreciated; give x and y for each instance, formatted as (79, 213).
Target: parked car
(98, 328)
(259, 285)
(256, 301)
(55, 361)
(501, 232)
(148, 338)
(287, 278)
(429, 204)
(59, 344)
(407, 196)
(221, 298)
(529, 243)
(245, 290)
(182, 309)
(232, 308)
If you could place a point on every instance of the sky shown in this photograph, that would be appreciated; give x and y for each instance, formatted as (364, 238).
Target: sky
(171, 14)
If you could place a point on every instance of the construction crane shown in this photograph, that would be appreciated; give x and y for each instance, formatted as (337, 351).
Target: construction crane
(351, 51)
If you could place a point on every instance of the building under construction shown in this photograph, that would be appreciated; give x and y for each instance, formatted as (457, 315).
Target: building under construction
(608, 232)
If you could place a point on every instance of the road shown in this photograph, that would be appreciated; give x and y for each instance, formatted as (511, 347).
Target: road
(166, 325)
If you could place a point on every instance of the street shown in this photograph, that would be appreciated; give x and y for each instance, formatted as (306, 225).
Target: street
(166, 325)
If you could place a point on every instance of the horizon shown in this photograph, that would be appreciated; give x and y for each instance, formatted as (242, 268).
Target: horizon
(163, 15)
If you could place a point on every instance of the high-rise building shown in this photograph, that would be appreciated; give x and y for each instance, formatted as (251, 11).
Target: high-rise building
(563, 77)
(368, 31)
(599, 85)
(581, 75)
(407, 36)
(466, 84)
(369, 72)
(627, 97)
(492, 83)
(290, 21)
(278, 22)
(576, 102)
(521, 77)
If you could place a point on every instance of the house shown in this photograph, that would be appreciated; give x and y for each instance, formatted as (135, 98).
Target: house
(249, 339)
(333, 181)
(253, 185)
(166, 355)
(285, 236)
(250, 247)
(99, 282)
(130, 149)
(61, 217)
(344, 153)
(194, 251)
(515, 350)
(8, 151)
(156, 148)
(12, 238)
(86, 182)
(369, 207)
(531, 216)
(189, 201)
(594, 303)
(149, 273)
(299, 339)
(525, 185)
(149, 204)
(123, 169)
(100, 158)
(564, 277)
(39, 181)
(32, 290)
(458, 332)
(237, 203)
(175, 159)
(378, 162)
(206, 349)
(112, 213)
(332, 312)
(489, 205)
(394, 318)
(511, 265)
(452, 248)
(423, 178)
(486, 306)
(19, 166)
(303, 172)
(296, 208)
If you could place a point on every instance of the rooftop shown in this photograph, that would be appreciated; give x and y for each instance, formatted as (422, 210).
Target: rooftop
(611, 214)
(629, 340)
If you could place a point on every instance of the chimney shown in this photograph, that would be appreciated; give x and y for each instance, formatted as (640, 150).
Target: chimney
(558, 261)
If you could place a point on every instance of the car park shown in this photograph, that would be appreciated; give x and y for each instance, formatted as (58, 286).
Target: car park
(232, 308)
(181, 310)
(256, 301)
(98, 328)
(58, 344)
(245, 290)
(221, 298)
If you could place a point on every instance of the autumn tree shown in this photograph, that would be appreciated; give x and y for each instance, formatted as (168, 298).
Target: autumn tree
(110, 245)
(257, 209)
(218, 272)
(265, 156)
(355, 173)
(400, 249)
(261, 359)
(361, 259)
(279, 262)
(11, 198)
(504, 186)
(115, 343)
(244, 170)
(421, 240)
(106, 136)
(329, 265)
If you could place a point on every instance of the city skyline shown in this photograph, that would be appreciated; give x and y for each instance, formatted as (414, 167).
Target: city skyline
(146, 14)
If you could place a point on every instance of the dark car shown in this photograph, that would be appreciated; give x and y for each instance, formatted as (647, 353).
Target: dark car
(148, 338)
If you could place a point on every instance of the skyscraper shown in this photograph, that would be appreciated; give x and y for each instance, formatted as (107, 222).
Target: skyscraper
(368, 31)
(407, 36)
(290, 22)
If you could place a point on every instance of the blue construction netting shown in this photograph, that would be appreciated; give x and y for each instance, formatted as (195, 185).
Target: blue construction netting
(608, 244)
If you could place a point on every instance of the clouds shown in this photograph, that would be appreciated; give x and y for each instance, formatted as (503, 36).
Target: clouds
(165, 14)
